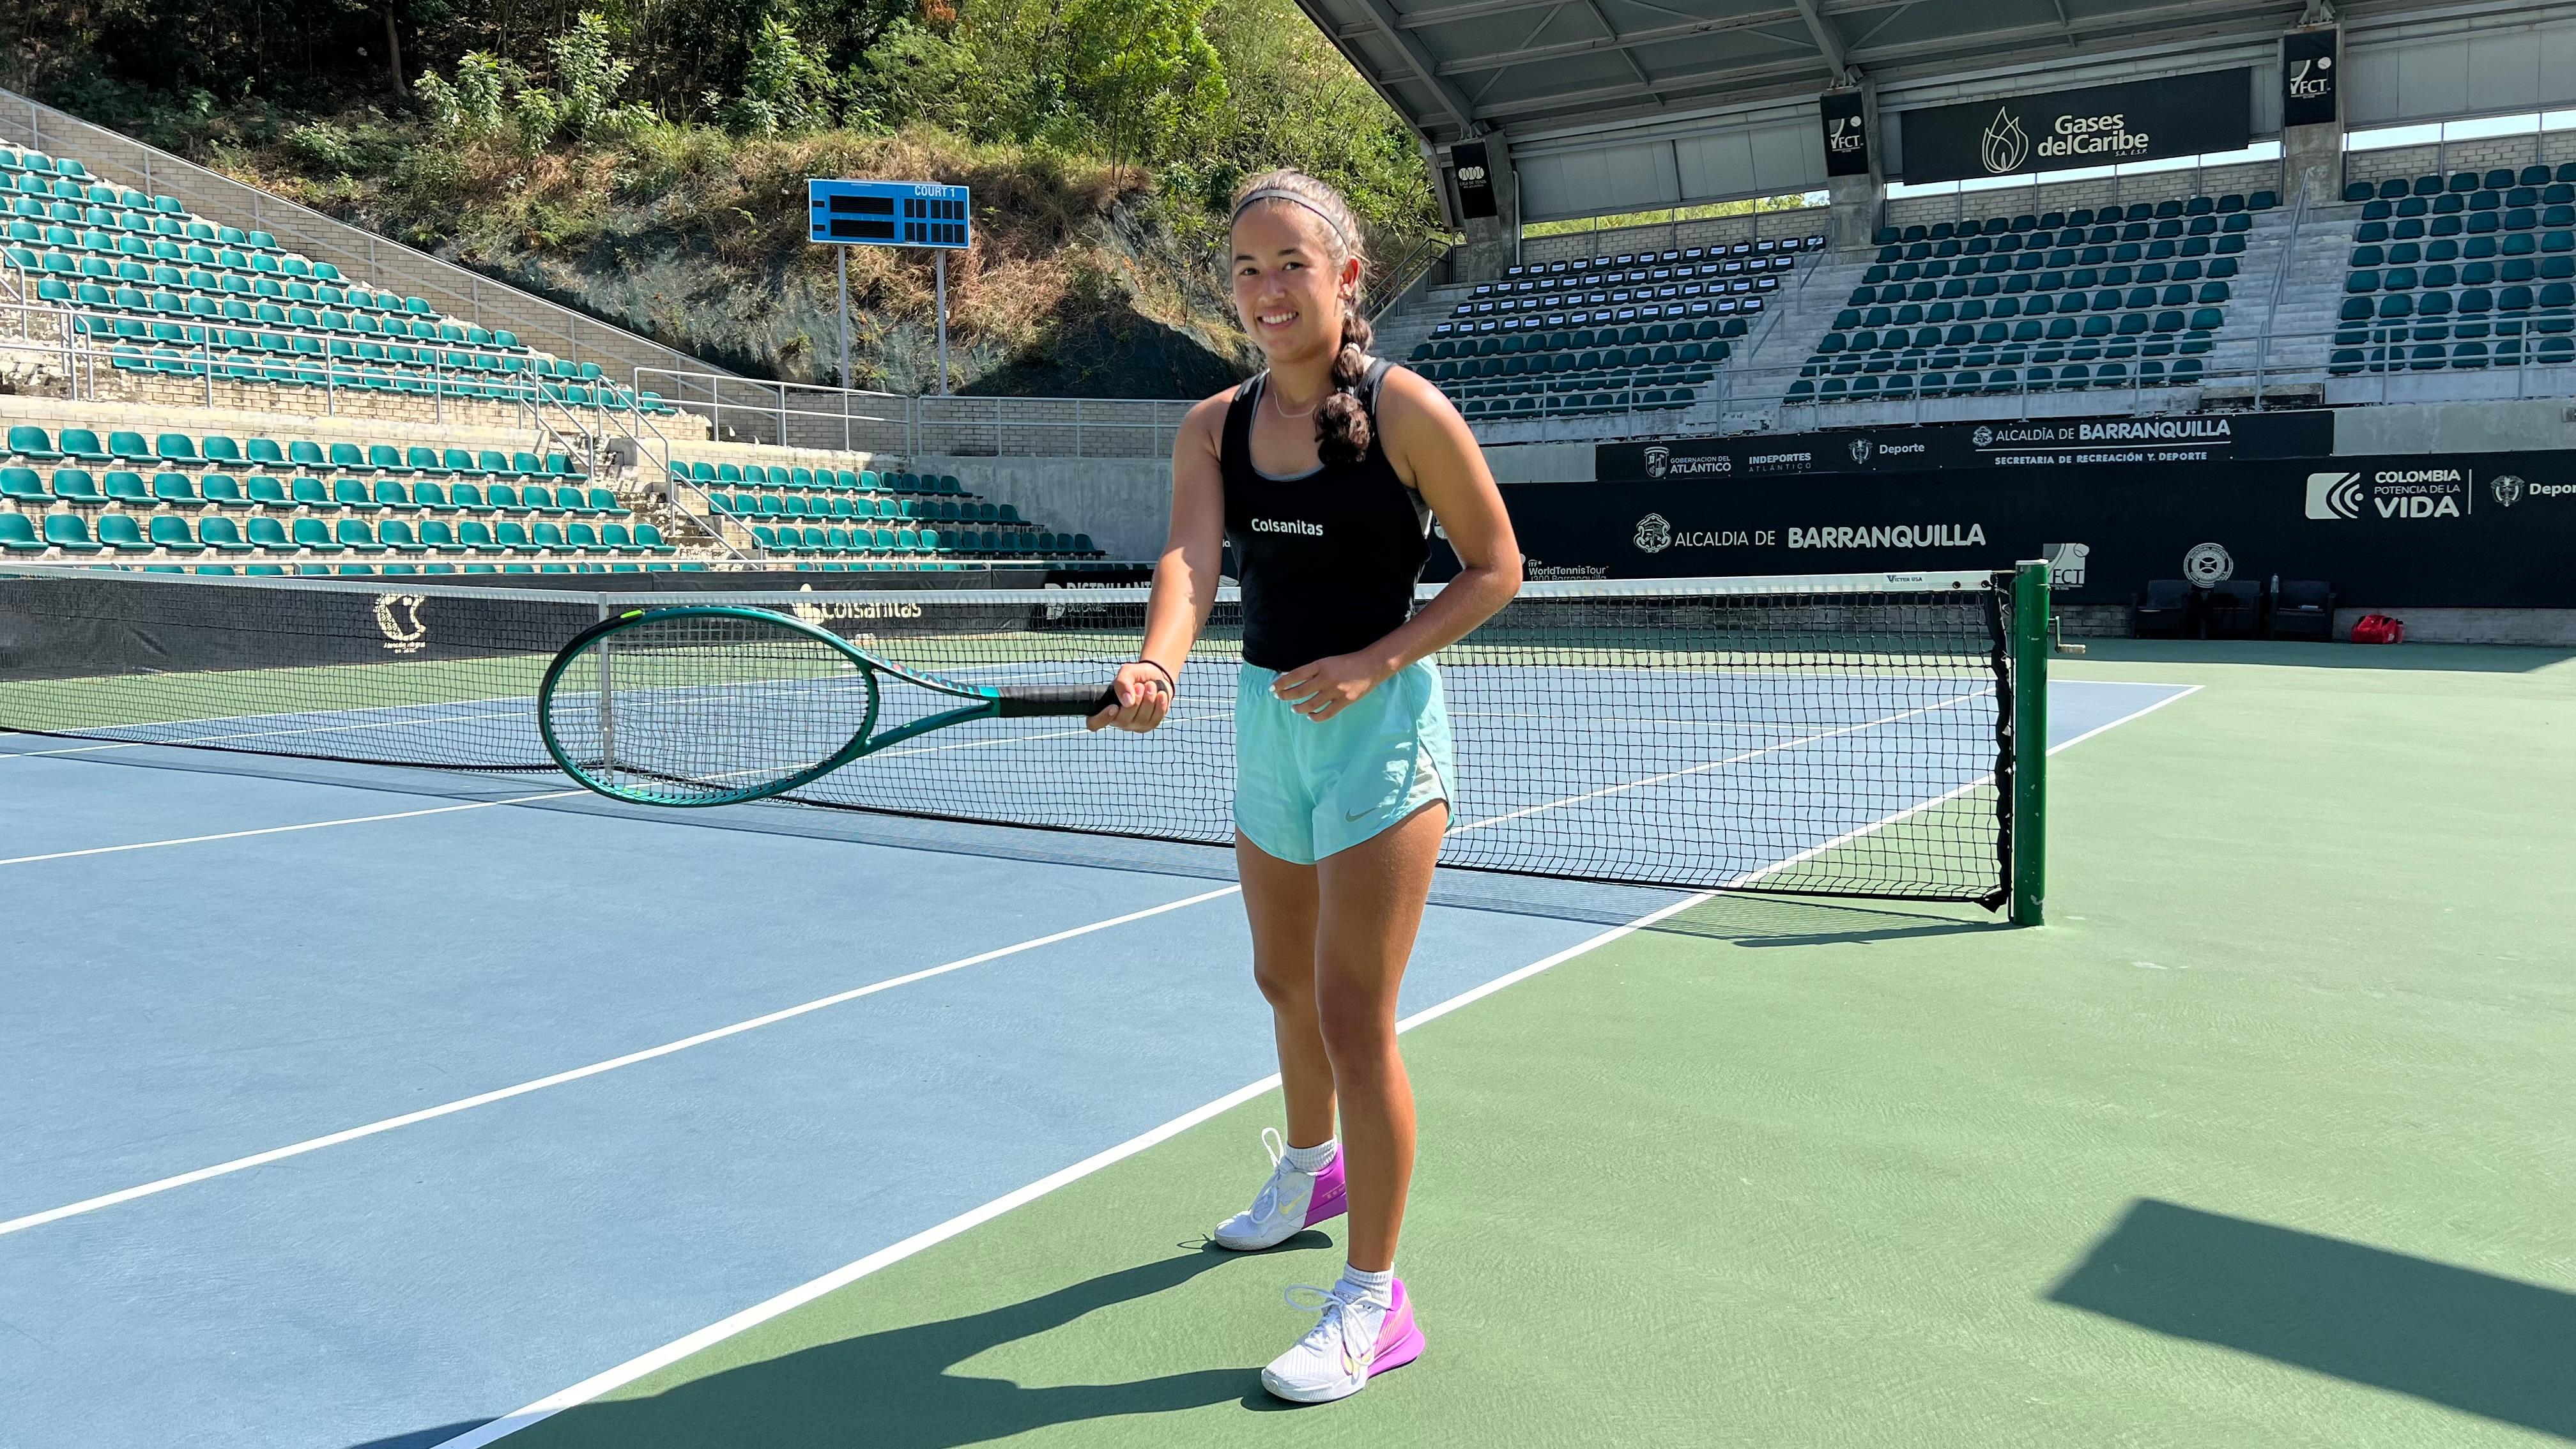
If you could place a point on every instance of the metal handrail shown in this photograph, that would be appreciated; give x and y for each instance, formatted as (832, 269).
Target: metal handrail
(895, 425)
(83, 347)
(1397, 280)
(1754, 343)
(2281, 277)
(712, 525)
(1672, 231)
(348, 247)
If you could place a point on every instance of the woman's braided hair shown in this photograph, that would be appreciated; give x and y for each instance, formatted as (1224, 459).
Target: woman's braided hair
(1341, 421)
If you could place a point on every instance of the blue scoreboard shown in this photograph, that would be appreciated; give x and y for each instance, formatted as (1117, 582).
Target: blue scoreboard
(889, 214)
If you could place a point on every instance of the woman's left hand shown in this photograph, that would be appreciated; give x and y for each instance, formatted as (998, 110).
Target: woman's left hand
(1326, 687)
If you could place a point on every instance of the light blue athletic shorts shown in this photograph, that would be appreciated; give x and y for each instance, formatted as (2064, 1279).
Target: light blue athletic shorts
(1306, 788)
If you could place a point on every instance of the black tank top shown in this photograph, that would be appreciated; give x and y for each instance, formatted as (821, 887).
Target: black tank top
(1327, 559)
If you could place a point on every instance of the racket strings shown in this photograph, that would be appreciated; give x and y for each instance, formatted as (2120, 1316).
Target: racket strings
(707, 707)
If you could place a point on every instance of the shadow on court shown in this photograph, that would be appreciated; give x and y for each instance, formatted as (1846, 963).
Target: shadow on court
(1761, 921)
(896, 1390)
(2490, 1346)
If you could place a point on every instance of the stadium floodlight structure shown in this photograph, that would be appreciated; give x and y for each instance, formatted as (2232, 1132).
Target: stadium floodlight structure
(925, 214)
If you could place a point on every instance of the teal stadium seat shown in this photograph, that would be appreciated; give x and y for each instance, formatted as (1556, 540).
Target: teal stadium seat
(67, 532)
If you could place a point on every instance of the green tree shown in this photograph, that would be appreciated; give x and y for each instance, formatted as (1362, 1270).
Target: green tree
(1141, 70)
(784, 88)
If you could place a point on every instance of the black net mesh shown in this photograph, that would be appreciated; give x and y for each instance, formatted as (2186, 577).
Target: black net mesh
(1831, 735)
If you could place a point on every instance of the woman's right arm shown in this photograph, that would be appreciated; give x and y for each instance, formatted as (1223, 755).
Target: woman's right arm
(1185, 577)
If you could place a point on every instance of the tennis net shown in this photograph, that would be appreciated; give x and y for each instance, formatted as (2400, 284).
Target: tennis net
(1840, 734)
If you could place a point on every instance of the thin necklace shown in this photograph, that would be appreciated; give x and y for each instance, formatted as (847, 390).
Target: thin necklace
(1282, 408)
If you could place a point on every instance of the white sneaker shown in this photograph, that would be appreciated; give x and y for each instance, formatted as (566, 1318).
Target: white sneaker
(1353, 1342)
(1290, 1202)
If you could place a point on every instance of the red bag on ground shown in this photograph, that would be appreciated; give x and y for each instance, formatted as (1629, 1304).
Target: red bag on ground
(2378, 629)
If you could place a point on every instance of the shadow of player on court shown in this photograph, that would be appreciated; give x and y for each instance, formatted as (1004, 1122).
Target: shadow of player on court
(898, 1388)
(2472, 1341)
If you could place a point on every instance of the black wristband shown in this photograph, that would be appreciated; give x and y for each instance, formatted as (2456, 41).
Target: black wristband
(1170, 682)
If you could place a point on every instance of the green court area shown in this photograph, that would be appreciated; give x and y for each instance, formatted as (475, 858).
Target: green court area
(2263, 1140)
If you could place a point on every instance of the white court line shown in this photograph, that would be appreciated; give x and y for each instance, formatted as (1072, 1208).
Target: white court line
(2179, 691)
(288, 829)
(657, 1359)
(503, 1094)
(310, 713)
(184, 740)
(637, 1367)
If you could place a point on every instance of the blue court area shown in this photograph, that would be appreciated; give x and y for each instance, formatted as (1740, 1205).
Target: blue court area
(356, 1106)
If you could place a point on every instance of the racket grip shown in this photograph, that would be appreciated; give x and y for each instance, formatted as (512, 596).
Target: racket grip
(1021, 701)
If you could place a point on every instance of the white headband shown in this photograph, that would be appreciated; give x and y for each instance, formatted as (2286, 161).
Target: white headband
(1281, 193)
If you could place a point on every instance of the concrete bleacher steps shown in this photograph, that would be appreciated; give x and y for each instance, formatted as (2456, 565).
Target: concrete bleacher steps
(1602, 344)
(452, 290)
(2031, 310)
(135, 297)
(114, 482)
(2451, 286)
(236, 400)
(836, 515)
(2417, 288)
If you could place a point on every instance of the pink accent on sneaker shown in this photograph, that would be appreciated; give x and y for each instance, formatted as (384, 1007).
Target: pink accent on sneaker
(1328, 1201)
(1399, 1338)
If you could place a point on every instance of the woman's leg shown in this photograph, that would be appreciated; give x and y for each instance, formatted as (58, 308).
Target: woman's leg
(1280, 898)
(1363, 909)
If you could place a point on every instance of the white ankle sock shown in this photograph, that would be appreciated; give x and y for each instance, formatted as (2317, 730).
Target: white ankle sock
(1377, 1289)
(1311, 1159)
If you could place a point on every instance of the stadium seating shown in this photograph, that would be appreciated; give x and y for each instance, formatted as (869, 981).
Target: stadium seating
(1578, 371)
(2119, 297)
(164, 291)
(867, 518)
(1630, 332)
(2464, 272)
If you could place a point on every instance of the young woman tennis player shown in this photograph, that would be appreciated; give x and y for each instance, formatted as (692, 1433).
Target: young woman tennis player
(1326, 472)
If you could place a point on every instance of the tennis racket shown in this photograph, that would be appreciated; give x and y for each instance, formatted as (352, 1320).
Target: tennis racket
(712, 705)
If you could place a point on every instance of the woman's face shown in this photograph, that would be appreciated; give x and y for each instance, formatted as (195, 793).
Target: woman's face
(1287, 291)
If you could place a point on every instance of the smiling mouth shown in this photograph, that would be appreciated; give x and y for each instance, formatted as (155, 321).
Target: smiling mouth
(1276, 319)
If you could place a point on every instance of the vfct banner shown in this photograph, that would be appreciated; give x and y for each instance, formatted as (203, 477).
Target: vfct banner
(2190, 439)
(1846, 133)
(2182, 115)
(2461, 530)
(2307, 77)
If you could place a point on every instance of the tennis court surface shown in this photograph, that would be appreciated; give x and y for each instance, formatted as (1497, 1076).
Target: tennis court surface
(355, 1105)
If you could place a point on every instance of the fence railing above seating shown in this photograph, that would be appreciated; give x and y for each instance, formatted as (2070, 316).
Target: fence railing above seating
(802, 415)
(455, 290)
(2298, 370)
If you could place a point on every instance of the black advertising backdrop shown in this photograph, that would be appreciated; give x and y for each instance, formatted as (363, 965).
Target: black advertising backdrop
(2307, 77)
(2193, 440)
(2458, 530)
(2183, 115)
(1846, 134)
(1475, 181)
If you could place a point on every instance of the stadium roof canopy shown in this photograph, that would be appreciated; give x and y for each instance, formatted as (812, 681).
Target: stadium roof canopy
(1459, 68)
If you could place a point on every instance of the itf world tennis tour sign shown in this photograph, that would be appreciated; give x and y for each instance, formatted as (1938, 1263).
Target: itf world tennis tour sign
(2183, 115)
(928, 214)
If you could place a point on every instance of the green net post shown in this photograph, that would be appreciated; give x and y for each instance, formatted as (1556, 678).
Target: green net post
(2030, 742)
